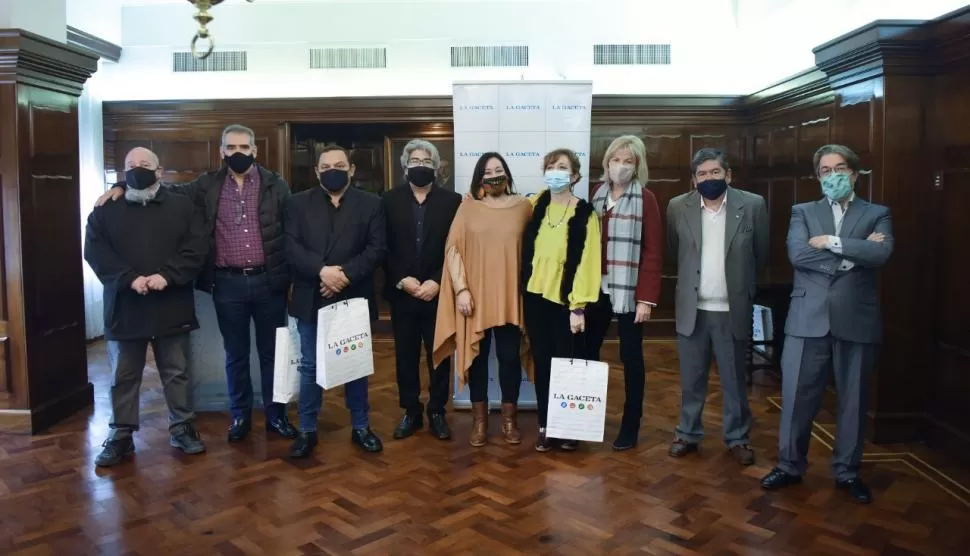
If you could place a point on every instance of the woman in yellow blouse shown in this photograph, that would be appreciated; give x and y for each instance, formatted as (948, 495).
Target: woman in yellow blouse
(561, 275)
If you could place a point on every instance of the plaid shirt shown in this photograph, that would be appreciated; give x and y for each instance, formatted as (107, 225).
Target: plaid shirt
(238, 241)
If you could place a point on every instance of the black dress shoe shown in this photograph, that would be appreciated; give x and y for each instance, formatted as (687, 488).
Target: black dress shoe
(779, 479)
(239, 428)
(569, 445)
(409, 425)
(439, 426)
(367, 440)
(281, 426)
(303, 445)
(857, 490)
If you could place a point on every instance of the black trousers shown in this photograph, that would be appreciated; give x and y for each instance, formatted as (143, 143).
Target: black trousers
(598, 317)
(547, 324)
(508, 344)
(412, 328)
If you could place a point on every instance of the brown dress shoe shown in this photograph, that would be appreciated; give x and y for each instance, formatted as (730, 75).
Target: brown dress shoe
(510, 429)
(680, 448)
(743, 453)
(479, 435)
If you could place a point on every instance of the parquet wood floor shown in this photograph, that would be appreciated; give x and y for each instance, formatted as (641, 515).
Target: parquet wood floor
(423, 496)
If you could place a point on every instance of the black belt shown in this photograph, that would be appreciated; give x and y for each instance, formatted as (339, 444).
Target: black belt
(249, 271)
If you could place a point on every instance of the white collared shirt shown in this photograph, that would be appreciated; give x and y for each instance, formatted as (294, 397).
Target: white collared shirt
(835, 242)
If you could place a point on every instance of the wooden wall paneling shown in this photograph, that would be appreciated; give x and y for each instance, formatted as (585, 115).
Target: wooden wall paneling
(950, 377)
(948, 140)
(44, 351)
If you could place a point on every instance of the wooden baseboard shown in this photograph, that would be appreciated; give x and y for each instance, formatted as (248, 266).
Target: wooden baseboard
(34, 421)
(896, 428)
(948, 439)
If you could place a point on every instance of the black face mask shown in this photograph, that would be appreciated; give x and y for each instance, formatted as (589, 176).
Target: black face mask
(420, 176)
(712, 189)
(140, 178)
(334, 180)
(239, 162)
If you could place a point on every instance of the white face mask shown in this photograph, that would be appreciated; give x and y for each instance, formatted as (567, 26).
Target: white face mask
(621, 173)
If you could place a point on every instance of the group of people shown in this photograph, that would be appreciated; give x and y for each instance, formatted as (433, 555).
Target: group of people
(539, 277)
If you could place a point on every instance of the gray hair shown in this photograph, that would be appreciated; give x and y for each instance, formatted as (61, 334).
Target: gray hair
(420, 145)
(706, 154)
(851, 158)
(236, 128)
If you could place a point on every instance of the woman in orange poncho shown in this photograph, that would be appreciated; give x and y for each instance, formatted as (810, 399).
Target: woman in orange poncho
(480, 301)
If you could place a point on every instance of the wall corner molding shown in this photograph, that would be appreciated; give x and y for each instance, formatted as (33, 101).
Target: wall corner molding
(31, 59)
(82, 39)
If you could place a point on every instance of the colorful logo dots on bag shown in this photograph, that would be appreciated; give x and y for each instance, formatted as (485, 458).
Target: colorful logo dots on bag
(353, 347)
(339, 351)
(563, 405)
(360, 345)
(572, 406)
(589, 407)
(582, 406)
(346, 349)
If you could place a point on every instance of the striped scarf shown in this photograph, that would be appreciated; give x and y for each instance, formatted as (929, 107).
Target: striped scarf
(623, 245)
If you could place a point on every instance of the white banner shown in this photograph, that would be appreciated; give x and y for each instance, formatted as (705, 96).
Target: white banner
(521, 120)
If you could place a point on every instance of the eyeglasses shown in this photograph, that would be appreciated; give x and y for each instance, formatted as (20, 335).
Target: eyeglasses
(420, 162)
(840, 169)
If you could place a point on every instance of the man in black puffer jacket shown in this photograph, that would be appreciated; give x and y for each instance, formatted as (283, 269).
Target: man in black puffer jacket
(246, 270)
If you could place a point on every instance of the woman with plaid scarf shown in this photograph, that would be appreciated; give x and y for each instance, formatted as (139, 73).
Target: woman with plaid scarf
(632, 255)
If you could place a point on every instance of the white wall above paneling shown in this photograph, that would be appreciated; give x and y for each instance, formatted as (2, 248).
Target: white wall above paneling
(716, 46)
(418, 35)
(777, 36)
(101, 18)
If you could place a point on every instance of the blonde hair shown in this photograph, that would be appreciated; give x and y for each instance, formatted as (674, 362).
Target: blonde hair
(640, 171)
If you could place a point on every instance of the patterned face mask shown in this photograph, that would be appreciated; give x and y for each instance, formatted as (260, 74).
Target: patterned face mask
(836, 186)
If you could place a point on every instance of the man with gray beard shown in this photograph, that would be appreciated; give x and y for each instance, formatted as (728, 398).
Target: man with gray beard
(147, 251)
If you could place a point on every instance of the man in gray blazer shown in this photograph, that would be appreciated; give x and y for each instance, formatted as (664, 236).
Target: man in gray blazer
(720, 237)
(837, 246)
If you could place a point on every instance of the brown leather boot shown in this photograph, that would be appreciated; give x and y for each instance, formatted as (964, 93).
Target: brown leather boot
(510, 429)
(479, 435)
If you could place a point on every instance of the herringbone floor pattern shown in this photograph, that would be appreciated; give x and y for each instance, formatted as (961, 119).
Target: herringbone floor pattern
(423, 496)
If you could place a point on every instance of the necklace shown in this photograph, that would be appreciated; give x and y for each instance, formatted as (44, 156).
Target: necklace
(561, 219)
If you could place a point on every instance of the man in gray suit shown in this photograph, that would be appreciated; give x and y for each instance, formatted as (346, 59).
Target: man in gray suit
(837, 246)
(720, 237)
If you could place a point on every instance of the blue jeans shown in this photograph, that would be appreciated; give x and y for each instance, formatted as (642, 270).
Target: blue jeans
(238, 300)
(311, 394)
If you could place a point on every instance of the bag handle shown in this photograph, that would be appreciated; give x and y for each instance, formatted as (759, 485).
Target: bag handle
(572, 341)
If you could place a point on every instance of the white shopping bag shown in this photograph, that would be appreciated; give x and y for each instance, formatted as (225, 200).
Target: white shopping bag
(286, 368)
(344, 348)
(577, 399)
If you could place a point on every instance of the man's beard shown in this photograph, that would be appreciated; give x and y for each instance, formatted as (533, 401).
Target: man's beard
(142, 195)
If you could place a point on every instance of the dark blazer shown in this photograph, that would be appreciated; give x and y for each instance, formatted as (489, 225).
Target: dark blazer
(273, 191)
(356, 243)
(126, 240)
(403, 260)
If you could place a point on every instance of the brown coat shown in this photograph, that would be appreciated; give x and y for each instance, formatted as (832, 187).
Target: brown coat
(484, 250)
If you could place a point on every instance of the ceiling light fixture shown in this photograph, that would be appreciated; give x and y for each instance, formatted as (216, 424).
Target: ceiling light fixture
(203, 17)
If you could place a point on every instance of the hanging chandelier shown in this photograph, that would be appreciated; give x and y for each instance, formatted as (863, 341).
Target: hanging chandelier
(204, 18)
